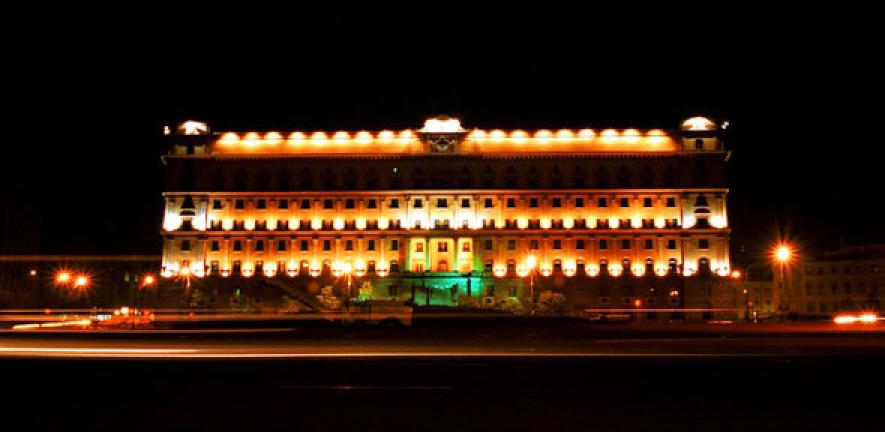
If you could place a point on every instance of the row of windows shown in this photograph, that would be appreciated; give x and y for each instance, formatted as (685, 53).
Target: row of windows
(445, 224)
(488, 245)
(394, 203)
(846, 288)
(846, 269)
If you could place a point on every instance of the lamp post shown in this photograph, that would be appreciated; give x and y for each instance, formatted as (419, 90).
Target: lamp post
(532, 264)
(783, 255)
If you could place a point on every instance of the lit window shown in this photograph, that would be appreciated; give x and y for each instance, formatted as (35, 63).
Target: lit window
(442, 247)
(419, 247)
(465, 247)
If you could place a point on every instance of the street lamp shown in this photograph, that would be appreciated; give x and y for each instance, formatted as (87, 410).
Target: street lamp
(148, 280)
(62, 277)
(532, 264)
(783, 255)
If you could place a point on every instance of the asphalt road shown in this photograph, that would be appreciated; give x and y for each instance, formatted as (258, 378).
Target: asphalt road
(547, 376)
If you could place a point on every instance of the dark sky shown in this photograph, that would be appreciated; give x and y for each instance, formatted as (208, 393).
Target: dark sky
(87, 94)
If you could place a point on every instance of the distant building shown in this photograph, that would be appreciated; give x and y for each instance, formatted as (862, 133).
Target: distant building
(442, 215)
(851, 278)
(19, 234)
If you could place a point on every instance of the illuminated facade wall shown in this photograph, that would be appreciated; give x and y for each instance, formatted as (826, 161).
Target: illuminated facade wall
(848, 280)
(443, 202)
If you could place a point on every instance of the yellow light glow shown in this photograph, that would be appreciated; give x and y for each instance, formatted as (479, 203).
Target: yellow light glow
(736, 274)
(497, 135)
(62, 277)
(386, 136)
(638, 270)
(270, 272)
(273, 138)
(192, 127)
(296, 139)
(294, 224)
(615, 270)
(148, 280)
(586, 134)
(229, 139)
(564, 135)
(723, 272)
(522, 223)
(338, 224)
(319, 138)
(81, 281)
(531, 262)
(636, 222)
(689, 271)
(519, 136)
(316, 223)
(363, 137)
(500, 271)
(569, 271)
(631, 136)
(479, 135)
(783, 253)
(543, 136)
(545, 223)
(660, 223)
(718, 221)
(614, 223)
(442, 124)
(405, 136)
(341, 137)
(251, 139)
(568, 222)
(171, 222)
(698, 124)
(249, 224)
(592, 271)
(609, 136)
(689, 221)
(271, 224)
(546, 271)
(868, 318)
(661, 271)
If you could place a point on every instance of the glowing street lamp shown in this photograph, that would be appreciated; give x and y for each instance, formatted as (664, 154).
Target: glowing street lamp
(82, 281)
(148, 280)
(783, 253)
(62, 277)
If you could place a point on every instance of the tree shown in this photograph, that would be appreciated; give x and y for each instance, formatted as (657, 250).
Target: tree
(551, 303)
(365, 291)
(327, 298)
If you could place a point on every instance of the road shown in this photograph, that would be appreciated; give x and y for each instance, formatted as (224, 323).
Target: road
(548, 376)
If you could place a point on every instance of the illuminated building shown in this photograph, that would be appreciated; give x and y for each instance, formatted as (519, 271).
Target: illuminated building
(450, 212)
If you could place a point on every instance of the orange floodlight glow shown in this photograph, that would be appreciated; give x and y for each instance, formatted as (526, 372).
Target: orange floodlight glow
(62, 277)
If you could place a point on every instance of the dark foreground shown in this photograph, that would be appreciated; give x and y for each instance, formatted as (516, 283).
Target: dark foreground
(549, 377)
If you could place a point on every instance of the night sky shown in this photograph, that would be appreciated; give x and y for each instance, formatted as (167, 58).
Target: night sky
(87, 96)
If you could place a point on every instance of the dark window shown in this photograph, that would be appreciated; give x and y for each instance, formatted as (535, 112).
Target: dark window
(533, 244)
(533, 202)
(394, 266)
(488, 245)
(511, 244)
(557, 244)
(348, 245)
(305, 204)
(349, 203)
(215, 246)
(185, 245)
(703, 244)
(304, 245)
(557, 202)
(239, 204)
(238, 245)
(671, 244)
(327, 245)
(465, 203)
(418, 203)
(603, 244)
(699, 144)
(646, 202)
(370, 245)
(394, 245)
(488, 203)
(327, 204)
(625, 202)
(579, 202)
(442, 203)
(281, 245)
(671, 202)
(579, 244)
(601, 202)
(442, 247)
(372, 204)
(394, 203)
(649, 244)
(261, 204)
(625, 244)
(216, 204)
(283, 204)
(511, 203)
(259, 245)
(488, 265)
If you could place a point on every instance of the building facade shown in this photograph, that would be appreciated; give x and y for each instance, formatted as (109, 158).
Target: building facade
(444, 215)
(850, 279)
